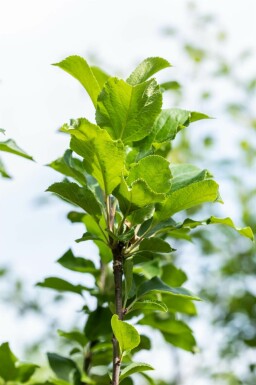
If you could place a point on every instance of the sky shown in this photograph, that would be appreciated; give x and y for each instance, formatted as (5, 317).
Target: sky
(36, 98)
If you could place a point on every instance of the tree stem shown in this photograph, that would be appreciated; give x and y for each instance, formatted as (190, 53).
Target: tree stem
(118, 274)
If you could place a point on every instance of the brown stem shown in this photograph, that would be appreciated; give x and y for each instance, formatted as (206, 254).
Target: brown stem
(118, 274)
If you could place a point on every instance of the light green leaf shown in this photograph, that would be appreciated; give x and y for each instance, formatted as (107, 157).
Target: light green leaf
(2, 131)
(169, 123)
(187, 197)
(103, 157)
(69, 166)
(195, 116)
(61, 285)
(150, 304)
(155, 244)
(80, 196)
(155, 171)
(156, 285)
(126, 334)
(69, 261)
(134, 367)
(10, 146)
(185, 174)
(245, 231)
(146, 69)
(78, 67)
(139, 195)
(100, 75)
(75, 335)
(127, 112)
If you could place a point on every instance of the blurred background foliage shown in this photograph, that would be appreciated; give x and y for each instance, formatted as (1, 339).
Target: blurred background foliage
(220, 264)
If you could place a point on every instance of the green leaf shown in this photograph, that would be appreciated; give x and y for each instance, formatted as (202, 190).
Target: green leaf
(61, 285)
(127, 112)
(141, 215)
(173, 276)
(80, 196)
(8, 370)
(89, 237)
(195, 116)
(103, 157)
(126, 334)
(98, 324)
(100, 75)
(77, 67)
(69, 166)
(10, 146)
(146, 69)
(63, 367)
(185, 341)
(155, 171)
(3, 170)
(179, 305)
(139, 195)
(69, 261)
(192, 224)
(187, 197)
(155, 244)
(134, 367)
(75, 335)
(169, 123)
(156, 285)
(150, 304)
(25, 372)
(2, 131)
(148, 269)
(185, 174)
(245, 231)
(98, 229)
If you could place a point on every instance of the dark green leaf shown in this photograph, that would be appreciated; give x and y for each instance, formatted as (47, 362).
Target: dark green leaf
(80, 196)
(69, 261)
(63, 367)
(75, 335)
(61, 285)
(98, 324)
(155, 244)
(8, 370)
(156, 285)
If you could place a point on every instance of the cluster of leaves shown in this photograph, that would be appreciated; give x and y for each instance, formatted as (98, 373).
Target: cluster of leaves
(128, 192)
